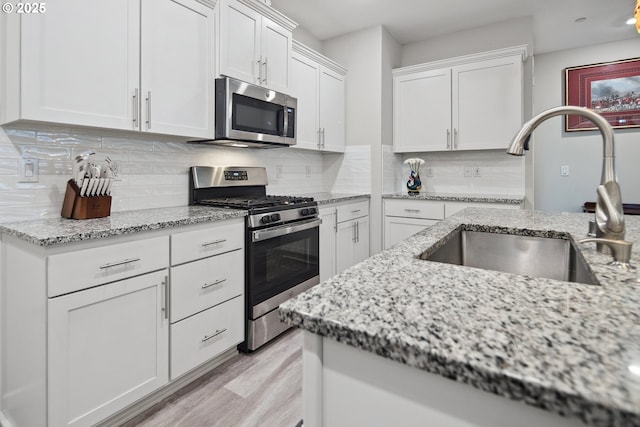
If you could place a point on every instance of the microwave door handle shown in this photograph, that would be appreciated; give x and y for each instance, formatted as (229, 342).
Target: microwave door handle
(285, 118)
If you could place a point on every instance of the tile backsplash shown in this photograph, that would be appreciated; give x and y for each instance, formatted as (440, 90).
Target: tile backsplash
(152, 170)
(499, 172)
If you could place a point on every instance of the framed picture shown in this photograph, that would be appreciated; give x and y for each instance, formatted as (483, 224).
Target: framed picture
(611, 89)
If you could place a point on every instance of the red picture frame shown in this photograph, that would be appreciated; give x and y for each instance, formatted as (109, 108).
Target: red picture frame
(611, 89)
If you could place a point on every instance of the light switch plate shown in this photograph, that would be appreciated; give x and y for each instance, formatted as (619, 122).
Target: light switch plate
(564, 170)
(468, 171)
(28, 169)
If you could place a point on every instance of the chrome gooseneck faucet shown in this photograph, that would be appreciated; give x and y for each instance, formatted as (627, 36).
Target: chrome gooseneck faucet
(609, 216)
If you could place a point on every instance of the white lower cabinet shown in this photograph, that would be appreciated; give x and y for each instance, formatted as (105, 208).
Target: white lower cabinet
(108, 346)
(404, 218)
(352, 235)
(327, 243)
(207, 294)
(89, 329)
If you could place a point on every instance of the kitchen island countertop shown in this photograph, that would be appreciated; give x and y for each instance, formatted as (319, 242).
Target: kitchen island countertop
(458, 197)
(55, 231)
(572, 349)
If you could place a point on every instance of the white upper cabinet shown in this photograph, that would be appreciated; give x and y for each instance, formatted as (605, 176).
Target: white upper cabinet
(77, 63)
(116, 64)
(319, 86)
(177, 68)
(473, 102)
(255, 43)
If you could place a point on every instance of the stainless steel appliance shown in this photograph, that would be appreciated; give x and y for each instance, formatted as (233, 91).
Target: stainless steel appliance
(252, 116)
(281, 242)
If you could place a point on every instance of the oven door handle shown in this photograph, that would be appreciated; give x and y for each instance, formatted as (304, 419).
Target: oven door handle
(281, 230)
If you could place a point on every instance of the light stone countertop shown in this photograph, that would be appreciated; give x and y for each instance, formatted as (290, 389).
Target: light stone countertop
(328, 198)
(459, 197)
(564, 347)
(54, 231)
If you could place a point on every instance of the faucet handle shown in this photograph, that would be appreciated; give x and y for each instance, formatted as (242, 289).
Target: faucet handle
(621, 250)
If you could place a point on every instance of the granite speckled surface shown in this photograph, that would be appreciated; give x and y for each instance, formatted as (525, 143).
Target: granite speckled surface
(328, 198)
(459, 197)
(565, 347)
(54, 231)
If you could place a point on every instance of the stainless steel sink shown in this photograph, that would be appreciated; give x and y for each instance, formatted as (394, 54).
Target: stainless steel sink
(531, 256)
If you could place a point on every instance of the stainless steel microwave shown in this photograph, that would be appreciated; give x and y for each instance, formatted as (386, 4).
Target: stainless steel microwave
(247, 115)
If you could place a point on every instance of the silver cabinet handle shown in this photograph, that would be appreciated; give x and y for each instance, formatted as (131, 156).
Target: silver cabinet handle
(319, 137)
(115, 264)
(353, 232)
(259, 62)
(215, 242)
(323, 140)
(455, 138)
(412, 210)
(148, 109)
(356, 211)
(448, 139)
(167, 296)
(135, 109)
(266, 71)
(357, 232)
(217, 282)
(213, 335)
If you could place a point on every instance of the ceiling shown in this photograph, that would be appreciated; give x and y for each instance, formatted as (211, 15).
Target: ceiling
(408, 21)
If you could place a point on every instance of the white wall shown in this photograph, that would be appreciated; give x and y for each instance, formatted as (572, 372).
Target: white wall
(581, 151)
(306, 38)
(153, 170)
(506, 34)
(369, 55)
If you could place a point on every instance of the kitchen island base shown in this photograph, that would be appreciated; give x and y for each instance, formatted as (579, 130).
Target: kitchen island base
(343, 385)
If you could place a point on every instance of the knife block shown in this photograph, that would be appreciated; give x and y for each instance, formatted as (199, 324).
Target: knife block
(77, 207)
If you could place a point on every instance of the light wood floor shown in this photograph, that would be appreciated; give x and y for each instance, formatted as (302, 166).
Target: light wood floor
(260, 389)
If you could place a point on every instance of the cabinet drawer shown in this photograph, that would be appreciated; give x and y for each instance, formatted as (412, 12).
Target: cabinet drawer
(199, 338)
(414, 209)
(454, 207)
(201, 284)
(73, 271)
(352, 210)
(216, 239)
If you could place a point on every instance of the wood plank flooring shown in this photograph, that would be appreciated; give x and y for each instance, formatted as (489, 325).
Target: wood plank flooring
(259, 389)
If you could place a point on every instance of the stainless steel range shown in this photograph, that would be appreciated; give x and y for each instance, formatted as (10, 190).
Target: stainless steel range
(281, 244)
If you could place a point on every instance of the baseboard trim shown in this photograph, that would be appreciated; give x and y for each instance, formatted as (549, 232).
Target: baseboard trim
(158, 396)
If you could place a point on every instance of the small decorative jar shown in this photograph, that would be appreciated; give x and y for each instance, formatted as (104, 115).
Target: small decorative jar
(414, 184)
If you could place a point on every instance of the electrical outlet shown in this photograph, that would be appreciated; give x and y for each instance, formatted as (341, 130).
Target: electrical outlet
(468, 171)
(279, 171)
(307, 171)
(476, 171)
(28, 169)
(564, 170)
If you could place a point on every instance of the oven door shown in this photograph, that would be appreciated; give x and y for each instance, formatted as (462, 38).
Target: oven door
(282, 262)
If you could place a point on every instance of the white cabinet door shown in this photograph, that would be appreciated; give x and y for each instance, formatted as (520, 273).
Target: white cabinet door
(240, 44)
(107, 347)
(303, 85)
(422, 111)
(396, 229)
(177, 67)
(361, 247)
(332, 110)
(276, 49)
(487, 103)
(80, 63)
(327, 243)
(345, 242)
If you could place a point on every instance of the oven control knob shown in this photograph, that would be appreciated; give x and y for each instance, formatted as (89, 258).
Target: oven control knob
(265, 219)
(305, 212)
(275, 217)
(313, 211)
